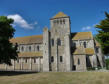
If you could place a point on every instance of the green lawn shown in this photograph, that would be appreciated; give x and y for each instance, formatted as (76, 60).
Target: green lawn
(56, 78)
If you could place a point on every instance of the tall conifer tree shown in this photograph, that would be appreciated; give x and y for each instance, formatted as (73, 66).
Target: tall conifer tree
(103, 34)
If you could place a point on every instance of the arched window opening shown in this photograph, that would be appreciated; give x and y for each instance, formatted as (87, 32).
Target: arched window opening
(63, 21)
(52, 59)
(38, 48)
(22, 49)
(61, 59)
(25, 60)
(85, 45)
(60, 21)
(17, 60)
(52, 42)
(34, 60)
(29, 48)
(78, 61)
(59, 42)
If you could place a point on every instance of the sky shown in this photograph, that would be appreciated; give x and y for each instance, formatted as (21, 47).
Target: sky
(31, 16)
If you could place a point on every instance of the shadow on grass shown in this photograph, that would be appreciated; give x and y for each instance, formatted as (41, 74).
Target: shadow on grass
(14, 73)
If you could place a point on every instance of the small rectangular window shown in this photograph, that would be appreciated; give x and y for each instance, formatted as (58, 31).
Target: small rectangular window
(52, 59)
(61, 59)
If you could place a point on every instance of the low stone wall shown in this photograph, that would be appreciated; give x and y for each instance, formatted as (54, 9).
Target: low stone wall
(21, 65)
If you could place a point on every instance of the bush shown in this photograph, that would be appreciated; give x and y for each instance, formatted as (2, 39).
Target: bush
(90, 68)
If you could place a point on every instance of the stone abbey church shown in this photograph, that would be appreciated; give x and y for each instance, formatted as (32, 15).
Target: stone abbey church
(57, 49)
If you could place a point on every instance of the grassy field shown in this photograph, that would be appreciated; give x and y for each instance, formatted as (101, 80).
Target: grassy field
(55, 78)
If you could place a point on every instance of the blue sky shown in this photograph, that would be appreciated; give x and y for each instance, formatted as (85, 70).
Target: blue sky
(31, 16)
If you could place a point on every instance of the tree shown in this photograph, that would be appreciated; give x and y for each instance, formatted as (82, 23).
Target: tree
(103, 34)
(107, 64)
(8, 51)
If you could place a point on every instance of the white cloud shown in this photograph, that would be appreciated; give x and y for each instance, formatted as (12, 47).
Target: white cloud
(35, 23)
(18, 20)
(87, 28)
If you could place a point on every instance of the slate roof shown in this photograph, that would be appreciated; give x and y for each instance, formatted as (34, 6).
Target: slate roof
(82, 51)
(28, 39)
(30, 54)
(89, 51)
(81, 36)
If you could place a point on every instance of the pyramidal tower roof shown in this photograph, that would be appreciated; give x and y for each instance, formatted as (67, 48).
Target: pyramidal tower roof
(59, 15)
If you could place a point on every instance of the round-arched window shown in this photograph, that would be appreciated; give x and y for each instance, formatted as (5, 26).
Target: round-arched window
(38, 48)
(78, 61)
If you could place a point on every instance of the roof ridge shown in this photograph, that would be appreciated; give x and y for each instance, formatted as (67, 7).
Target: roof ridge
(28, 39)
(80, 32)
(28, 36)
(60, 14)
